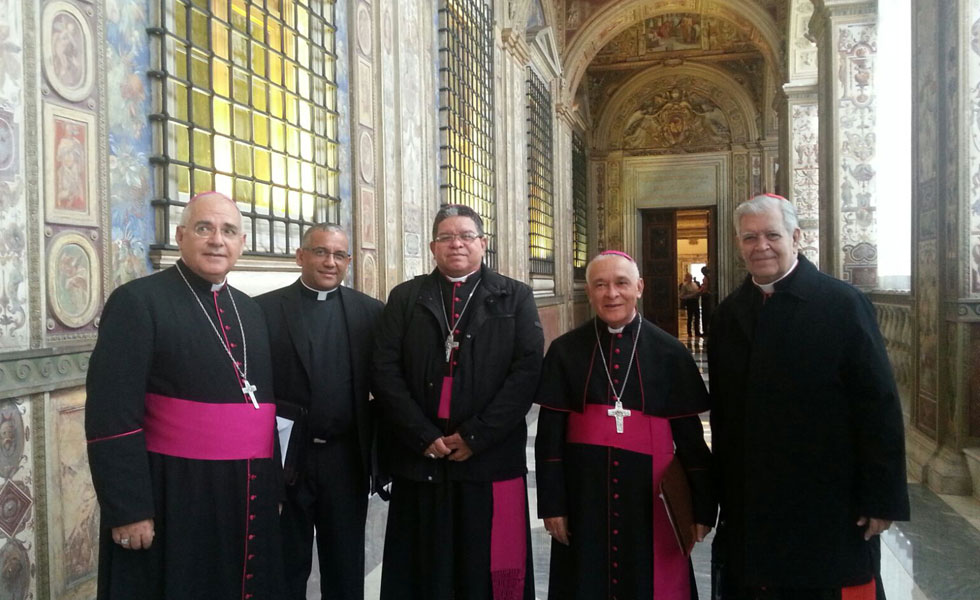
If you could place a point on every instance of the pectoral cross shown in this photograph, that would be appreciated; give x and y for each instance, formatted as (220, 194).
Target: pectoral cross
(249, 390)
(451, 344)
(618, 412)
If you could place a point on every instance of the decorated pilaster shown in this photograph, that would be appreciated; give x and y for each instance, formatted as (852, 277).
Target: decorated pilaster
(800, 175)
(510, 95)
(846, 34)
(945, 434)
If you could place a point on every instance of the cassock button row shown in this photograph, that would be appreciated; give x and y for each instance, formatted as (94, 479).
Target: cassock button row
(251, 517)
(616, 514)
(615, 532)
(615, 381)
(458, 283)
(615, 463)
(227, 327)
(615, 496)
(615, 582)
(252, 497)
(251, 536)
(619, 335)
(455, 362)
(253, 477)
(616, 350)
(249, 576)
(615, 548)
(615, 565)
(615, 480)
(615, 367)
(457, 299)
(457, 332)
(233, 345)
(251, 556)
(455, 315)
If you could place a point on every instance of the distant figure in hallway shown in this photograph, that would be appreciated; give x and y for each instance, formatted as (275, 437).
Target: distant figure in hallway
(181, 423)
(806, 425)
(689, 291)
(707, 300)
(617, 396)
(322, 336)
(457, 360)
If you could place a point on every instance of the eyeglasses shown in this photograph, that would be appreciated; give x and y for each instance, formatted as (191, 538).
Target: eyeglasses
(467, 237)
(206, 230)
(321, 252)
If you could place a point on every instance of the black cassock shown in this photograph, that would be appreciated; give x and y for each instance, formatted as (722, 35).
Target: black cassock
(159, 372)
(607, 492)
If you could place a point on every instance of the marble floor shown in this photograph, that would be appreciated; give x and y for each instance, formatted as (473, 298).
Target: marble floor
(936, 556)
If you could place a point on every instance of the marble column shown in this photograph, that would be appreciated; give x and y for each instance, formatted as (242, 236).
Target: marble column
(846, 34)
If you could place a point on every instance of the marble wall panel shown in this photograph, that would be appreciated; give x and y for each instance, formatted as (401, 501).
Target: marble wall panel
(18, 544)
(972, 72)
(927, 320)
(805, 175)
(129, 101)
(73, 512)
(341, 19)
(856, 49)
(414, 102)
(14, 293)
(974, 382)
(550, 317)
(389, 128)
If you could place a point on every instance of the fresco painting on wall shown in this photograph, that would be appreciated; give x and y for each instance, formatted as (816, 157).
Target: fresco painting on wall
(68, 53)
(73, 278)
(70, 156)
(130, 138)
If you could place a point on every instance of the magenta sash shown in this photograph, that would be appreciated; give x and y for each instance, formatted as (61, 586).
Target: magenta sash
(508, 539)
(648, 435)
(206, 431)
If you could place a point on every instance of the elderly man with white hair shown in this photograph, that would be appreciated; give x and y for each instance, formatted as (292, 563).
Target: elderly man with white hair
(619, 401)
(806, 425)
(180, 422)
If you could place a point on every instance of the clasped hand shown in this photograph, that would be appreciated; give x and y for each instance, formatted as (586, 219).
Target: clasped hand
(450, 446)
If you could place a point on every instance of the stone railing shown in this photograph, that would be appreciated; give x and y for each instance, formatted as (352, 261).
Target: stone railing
(895, 320)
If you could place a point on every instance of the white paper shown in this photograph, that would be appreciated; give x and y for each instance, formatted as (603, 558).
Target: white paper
(285, 428)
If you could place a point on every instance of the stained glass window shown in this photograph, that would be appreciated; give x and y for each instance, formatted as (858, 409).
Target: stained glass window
(466, 111)
(248, 107)
(580, 228)
(540, 191)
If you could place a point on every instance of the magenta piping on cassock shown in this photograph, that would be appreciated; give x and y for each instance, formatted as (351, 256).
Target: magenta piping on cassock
(643, 434)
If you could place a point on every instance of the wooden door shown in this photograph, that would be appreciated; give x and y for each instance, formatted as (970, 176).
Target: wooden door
(660, 301)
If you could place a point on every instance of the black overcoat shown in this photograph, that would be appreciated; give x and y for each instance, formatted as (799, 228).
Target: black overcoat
(291, 362)
(807, 433)
(493, 387)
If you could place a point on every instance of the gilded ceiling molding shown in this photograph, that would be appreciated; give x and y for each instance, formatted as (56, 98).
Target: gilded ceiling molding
(730, 97)
(618, 16)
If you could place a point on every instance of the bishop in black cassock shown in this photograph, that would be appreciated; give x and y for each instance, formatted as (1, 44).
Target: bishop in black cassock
(322, 335)
(180, 425)
(619, 400)
(456, 364)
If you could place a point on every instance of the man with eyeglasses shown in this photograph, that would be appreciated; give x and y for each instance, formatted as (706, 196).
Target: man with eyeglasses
(457, 361)
(321, 335)
(180, 422)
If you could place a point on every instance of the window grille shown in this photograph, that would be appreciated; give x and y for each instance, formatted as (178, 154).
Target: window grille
(580, 231)
(540, 191)
(466, 111)
(248, 107)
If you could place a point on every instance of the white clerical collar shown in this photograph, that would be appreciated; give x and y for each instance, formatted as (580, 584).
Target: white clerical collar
(768, 288)
(459, 279)
(321, 295)
(217, 287)
(620, 329)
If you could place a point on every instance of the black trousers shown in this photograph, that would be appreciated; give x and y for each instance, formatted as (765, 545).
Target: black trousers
(693, 309)
(331, 496)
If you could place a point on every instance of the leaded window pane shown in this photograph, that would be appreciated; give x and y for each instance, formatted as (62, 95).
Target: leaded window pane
(540, 190)
(466, 111)
(580, 231)
(249, 109)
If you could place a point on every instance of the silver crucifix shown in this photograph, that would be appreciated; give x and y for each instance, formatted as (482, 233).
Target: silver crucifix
(618, 412)
(451, 344)
(249, 390)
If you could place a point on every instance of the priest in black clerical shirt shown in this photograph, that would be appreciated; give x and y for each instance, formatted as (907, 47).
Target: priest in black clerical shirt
(322, 336)
(180, 423)
(619, 401)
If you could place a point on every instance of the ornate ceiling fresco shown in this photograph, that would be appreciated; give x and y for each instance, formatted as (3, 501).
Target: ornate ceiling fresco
(673, 39)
